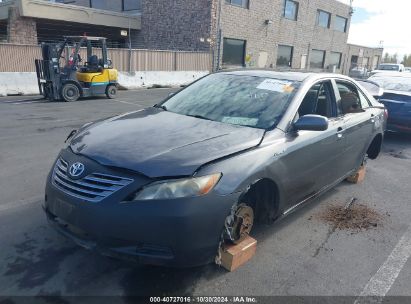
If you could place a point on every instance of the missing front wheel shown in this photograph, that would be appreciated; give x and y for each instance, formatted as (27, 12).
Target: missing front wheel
(239, 223)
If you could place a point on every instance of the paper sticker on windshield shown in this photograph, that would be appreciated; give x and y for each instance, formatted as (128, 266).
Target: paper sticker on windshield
(276, 86)
(243, 121)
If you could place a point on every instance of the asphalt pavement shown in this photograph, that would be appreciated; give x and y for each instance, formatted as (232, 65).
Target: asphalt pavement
(300, 256)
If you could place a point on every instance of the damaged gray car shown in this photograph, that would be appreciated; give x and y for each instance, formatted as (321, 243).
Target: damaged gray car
(167, 184)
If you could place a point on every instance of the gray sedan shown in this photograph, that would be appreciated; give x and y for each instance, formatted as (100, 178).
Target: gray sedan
(168, 184)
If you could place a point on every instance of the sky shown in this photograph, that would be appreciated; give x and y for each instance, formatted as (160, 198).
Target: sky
(382, 20)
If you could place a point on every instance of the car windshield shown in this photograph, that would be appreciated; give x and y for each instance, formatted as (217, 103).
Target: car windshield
(389, 67)
(402, 84)
(235, 99)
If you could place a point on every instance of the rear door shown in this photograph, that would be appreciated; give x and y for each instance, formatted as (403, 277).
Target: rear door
(359, 119)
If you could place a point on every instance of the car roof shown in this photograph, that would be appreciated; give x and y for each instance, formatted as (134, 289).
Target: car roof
(388, 74)
(288, 75)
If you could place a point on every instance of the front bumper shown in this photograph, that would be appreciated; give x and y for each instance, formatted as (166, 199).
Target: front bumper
(179, 232)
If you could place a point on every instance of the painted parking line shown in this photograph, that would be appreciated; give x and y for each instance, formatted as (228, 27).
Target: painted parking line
(23, 100)
(27, 102)
(123, 101)
(382, 281)
(134, 103)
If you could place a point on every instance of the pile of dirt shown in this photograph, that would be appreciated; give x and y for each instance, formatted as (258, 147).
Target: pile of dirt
(398, 154)
(356, 217)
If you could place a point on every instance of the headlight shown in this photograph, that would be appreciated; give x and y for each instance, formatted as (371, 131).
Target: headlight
(194, 186)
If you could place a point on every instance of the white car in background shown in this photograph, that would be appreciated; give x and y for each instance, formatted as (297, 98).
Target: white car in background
(359, 72)
(389, 67)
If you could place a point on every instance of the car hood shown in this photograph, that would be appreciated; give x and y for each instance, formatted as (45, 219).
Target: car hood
(159, 143)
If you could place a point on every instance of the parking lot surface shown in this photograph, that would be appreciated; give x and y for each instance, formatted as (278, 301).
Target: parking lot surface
(301, 255)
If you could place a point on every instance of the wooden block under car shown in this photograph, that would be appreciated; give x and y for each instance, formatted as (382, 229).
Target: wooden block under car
(357, 177)
(233, 256)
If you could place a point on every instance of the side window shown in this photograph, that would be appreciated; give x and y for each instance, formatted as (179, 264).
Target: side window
(350, 101)
(364, 100)
(319, 100)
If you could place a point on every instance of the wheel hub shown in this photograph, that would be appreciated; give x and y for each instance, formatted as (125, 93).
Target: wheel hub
(240, 226)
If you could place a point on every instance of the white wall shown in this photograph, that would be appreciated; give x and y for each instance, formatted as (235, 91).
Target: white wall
(148, 79)
(26, 83)
(18, 84)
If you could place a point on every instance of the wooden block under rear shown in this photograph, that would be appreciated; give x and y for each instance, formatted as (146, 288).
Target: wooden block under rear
(357, 177)
(233, 256)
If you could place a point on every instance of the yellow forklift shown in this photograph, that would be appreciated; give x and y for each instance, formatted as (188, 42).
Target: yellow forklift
(77, 77)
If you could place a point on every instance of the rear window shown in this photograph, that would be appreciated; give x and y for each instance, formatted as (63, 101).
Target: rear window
(389, 67)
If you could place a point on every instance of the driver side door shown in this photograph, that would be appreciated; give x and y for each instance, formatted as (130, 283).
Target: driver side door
(313, 160)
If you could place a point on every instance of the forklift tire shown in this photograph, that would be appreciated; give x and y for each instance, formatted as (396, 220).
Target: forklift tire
(70, 92)
(111, 91)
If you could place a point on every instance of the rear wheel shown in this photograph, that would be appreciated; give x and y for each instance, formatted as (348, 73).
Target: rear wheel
(70, 92)
(111, 91)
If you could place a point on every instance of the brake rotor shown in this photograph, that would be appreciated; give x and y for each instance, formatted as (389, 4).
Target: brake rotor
(242, 224)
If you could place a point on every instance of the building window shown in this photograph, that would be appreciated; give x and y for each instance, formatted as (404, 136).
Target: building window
(354, 61)
(233, 52)
(108, 5)
(335, 59)
(3, 30)
(323, 19)
(241, 3)
(317, 59)
(290, 9)
(131, 5)
(365, 62)
(115, 5)
(340, 24)
(284, 56)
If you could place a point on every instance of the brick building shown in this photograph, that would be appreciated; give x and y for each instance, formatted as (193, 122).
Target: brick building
(36, 21)
(360, 56)
(280, 34)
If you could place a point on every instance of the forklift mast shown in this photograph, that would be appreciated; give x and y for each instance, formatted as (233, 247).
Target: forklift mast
(48, 69)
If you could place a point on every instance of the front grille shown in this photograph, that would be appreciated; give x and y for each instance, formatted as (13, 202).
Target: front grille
(93, 187)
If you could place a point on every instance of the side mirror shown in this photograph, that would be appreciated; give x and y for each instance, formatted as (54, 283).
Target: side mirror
(171, 94)
(311, 123)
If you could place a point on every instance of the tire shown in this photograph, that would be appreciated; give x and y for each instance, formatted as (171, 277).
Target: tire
(111, 91)
(70, 92)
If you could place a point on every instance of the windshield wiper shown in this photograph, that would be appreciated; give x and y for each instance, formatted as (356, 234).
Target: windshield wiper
(161, 107)
(199, 116)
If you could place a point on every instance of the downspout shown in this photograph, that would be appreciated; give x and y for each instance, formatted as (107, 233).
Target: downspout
(130, 52)
(218, 36)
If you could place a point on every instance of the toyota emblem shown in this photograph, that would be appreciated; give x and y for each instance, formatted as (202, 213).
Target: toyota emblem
(76, 169)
